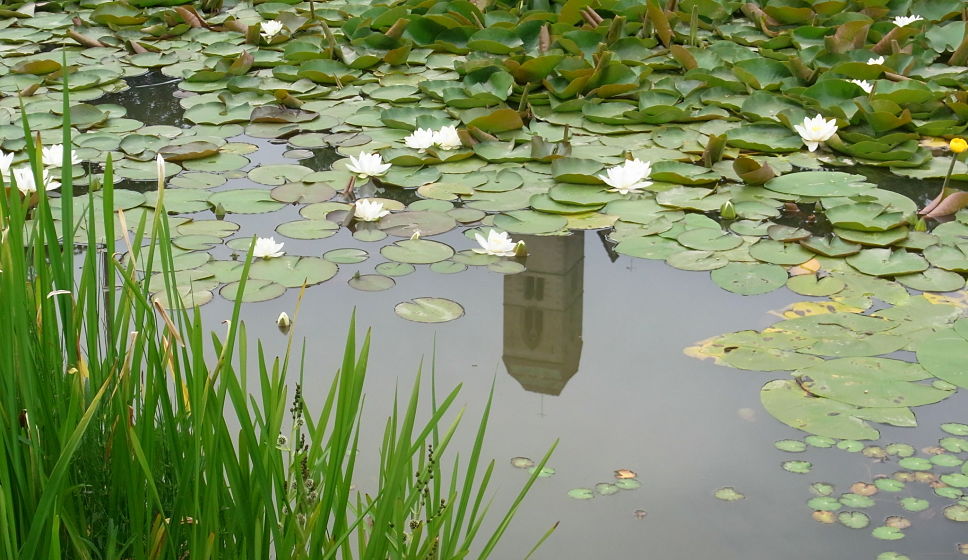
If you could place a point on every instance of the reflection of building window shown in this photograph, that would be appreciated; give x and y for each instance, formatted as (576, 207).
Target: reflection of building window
(533, 324)
(534, 288)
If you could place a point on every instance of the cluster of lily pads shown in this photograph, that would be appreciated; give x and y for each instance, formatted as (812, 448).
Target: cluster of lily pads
(520, 117)
(942, 472)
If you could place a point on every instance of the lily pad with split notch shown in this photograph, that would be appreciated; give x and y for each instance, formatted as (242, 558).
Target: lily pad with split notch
(303, 193)
(581, 493)
(371, 282)
(429, 310)
(245, 201)
(606, 488)
(405, 224)
(395, 269)
(790, 445)
(777, 252)
(346, 256)
(750, 278)
(308, 229)
(854, 519)
(529, 222)
(811, 285)
(292, 271)
(417, 251)
(255, 290)
(790, 404)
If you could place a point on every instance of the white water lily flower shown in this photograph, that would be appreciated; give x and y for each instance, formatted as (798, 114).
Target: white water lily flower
(369, 210)
(901, 21)
(497, 243)
(368, 165)
(5, 161)
(864, 85)
(447, 138)
(270, 29)
(420, 139)
(875, 61)
(816, 130)
(628, 177)
(24, 176)
(53, 156)
(267, 248)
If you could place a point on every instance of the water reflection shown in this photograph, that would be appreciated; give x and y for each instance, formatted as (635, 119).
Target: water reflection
(150, 98)
(543, 314)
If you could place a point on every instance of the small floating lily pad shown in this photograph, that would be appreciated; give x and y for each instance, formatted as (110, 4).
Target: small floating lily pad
(798, 467)
(429, 310)
(790, 445)
(606, 488)
(887, 533)
(581, 493)
(371, 282)
(854, 519)
(521, 463)
(728, 494)
(628, 484)
(346, 256)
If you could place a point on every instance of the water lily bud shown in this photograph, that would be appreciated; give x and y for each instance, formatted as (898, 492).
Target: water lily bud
(727, 211)
(520, 249)
(415, 236)
(920, 225)
(958, 145)
(160, 170)
(219, 211)
(284, 322)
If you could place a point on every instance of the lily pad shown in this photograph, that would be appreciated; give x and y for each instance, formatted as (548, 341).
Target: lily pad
(750, 278)
(429, 310)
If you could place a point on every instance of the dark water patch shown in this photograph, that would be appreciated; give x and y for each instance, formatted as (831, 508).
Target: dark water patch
(150, 98)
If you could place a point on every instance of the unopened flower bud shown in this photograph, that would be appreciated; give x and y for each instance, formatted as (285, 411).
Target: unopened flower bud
(727, 211)
(284, 322)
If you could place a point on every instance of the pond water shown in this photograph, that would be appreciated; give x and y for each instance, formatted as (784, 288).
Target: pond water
(589, 350)
(586, 347)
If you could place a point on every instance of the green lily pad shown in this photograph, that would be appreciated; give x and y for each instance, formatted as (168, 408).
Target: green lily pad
(810, 285)
(581, 493)
(798, 467)
(708, 239)
(957, 512)
(887, 262)
(790, 404)
(429, 310)
(417, 251)
(728, 494)
(776, 252)
(255, 290)
(750, 278)
(346, 256)
(887, 533)
(870, 382)
(854, 519)
(818, 184)
(913, 504)
(292, 271)
(371, 282)
(933, 280)
(790, 445)
(824, 503)
(245, 201)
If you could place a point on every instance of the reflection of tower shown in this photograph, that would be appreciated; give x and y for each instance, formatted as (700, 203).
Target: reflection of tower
(542, 313)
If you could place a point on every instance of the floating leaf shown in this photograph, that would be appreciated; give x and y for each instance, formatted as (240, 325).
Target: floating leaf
(728, 494)
(429, 310)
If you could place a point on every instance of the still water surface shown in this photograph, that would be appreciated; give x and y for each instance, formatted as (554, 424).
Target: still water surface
(589, 351)
(586, 347)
